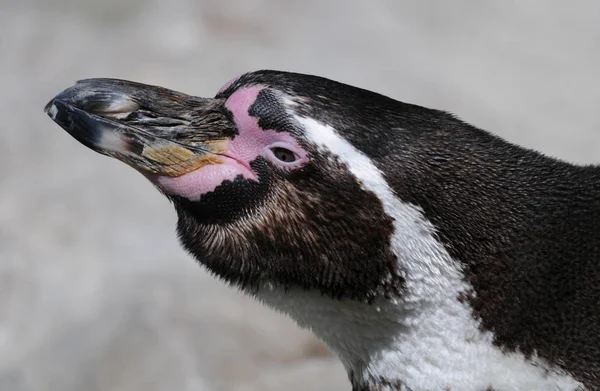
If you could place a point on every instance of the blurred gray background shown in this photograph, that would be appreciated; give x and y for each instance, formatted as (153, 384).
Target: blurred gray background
(95, 293)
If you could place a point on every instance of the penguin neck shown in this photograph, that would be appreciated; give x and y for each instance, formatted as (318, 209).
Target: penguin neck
(524, 229)
(429, 338)
(383, 345)
(412, 343)
(488, 198)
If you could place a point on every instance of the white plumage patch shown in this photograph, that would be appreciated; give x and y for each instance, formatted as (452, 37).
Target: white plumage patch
(428, 340)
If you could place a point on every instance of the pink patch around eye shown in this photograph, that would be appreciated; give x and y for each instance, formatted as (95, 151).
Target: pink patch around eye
(252, 140)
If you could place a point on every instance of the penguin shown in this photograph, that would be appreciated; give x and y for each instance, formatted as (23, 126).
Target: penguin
(426, 253)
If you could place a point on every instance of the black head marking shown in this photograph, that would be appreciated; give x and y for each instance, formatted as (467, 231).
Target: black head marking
(231, 200)
(270, 112)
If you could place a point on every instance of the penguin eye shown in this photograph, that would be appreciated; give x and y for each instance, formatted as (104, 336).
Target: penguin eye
(284, 155)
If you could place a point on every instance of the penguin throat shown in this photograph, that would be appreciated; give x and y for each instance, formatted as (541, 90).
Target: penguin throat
(412, 344)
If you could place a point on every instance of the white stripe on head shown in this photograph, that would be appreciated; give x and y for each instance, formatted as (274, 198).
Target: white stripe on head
(428, 339)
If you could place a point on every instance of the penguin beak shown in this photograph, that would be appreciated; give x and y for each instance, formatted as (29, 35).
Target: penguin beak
(153, 129)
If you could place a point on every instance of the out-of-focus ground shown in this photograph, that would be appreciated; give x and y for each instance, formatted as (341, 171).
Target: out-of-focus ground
(95, 293)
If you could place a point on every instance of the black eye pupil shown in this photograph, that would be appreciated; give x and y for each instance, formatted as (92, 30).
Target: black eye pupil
(285, 155)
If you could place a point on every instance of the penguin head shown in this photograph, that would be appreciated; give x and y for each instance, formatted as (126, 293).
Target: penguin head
(261, 196)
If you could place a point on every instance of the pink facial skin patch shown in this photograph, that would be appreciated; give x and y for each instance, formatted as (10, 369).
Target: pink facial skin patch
(204, 180)
(251, 142)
